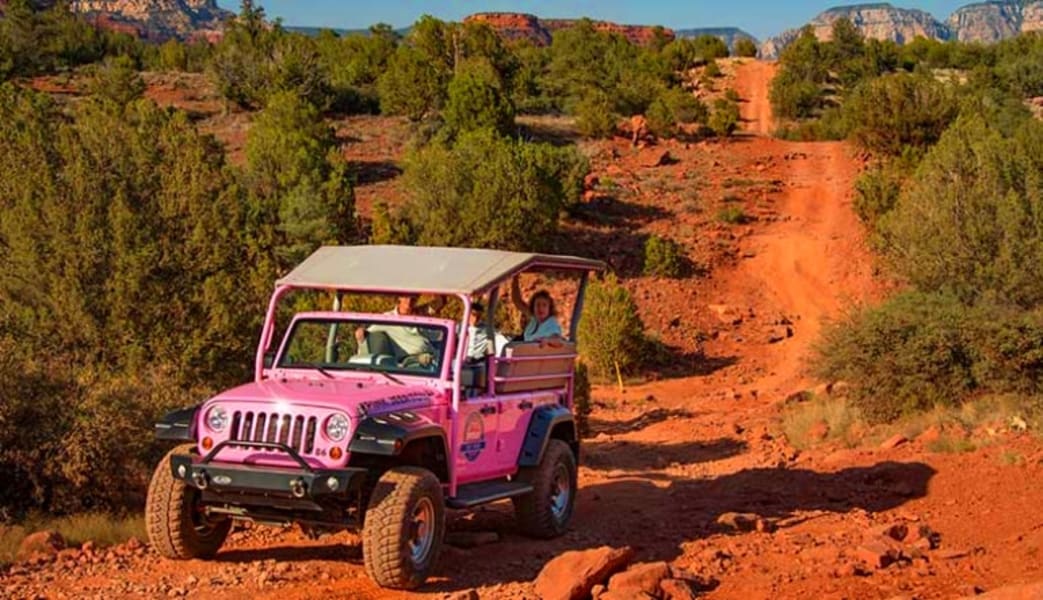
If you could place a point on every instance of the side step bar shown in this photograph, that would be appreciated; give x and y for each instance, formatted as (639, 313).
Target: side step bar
(475, 494)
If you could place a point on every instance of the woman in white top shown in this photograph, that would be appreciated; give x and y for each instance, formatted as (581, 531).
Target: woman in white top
(542, 325)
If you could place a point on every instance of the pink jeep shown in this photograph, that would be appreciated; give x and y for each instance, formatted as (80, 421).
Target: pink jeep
(379, 422)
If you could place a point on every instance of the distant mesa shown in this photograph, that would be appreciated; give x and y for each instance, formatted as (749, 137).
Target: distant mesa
(980, 22)
(517, 26)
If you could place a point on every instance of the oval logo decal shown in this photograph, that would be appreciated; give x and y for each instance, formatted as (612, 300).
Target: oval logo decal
(222, 479)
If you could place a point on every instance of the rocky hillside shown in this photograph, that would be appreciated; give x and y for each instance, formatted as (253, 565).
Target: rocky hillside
(156, 20)
(524, 26)
(980, 22)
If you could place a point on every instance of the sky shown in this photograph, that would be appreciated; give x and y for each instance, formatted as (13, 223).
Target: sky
(762, 18)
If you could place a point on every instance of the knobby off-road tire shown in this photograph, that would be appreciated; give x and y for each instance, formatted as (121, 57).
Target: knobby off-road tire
(176, 527)
(404, 527)
(545, 513)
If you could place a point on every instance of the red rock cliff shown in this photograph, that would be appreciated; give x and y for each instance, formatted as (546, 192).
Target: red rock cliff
(515, 26)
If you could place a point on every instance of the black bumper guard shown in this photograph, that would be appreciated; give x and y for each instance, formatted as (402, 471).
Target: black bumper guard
(305, 483)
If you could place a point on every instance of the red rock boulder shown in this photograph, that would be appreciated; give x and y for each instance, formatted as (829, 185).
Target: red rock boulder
(572, 575)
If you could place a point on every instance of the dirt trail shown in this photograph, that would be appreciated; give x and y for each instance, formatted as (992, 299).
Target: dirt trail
(753, 84)
(668, 458)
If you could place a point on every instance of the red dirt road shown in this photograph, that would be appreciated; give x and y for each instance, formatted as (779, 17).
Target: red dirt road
(667, 458)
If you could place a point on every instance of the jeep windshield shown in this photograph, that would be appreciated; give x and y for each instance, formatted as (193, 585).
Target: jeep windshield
(327, 345)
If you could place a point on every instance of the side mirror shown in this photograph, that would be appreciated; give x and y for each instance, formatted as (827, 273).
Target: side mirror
(269, 360)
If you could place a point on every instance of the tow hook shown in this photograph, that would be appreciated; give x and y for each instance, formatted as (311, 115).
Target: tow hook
(297, 488)
(199, 478)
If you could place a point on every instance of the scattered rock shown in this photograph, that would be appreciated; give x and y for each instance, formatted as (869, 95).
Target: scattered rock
(876, 554)
(465, 595)
(894, 531)
(894, 441)
(640, 578)
(46, 543)
(1025, 591)
(921, 537)
(572, 575)
(471, 539)
(739, 521)
(656, 158)
(929, 435)
(597, 590)
(676, 589)
(952, 554)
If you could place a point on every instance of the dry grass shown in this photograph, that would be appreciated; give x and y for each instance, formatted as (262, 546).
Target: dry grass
(102, 529)
(991, 414)
(843, 421)
(970, 426)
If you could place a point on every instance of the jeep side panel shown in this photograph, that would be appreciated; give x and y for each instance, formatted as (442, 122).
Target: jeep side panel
(548, 421)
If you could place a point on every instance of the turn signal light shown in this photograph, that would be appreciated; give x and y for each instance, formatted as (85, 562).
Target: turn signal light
(207, 443)
(336, 453)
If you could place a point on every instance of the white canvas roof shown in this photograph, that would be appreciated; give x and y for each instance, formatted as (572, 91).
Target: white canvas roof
(417, 269)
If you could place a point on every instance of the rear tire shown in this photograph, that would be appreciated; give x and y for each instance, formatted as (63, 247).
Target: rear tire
(545, 513)
(404, 527)
(177, 528)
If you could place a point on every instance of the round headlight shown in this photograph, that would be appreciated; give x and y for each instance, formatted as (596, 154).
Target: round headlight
(217, 419)
(337, 427)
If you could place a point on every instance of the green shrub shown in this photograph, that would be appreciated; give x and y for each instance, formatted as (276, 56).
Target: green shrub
(712, 69)
(673, 106)
(117, 81)
(1008, 350)
(892, 113)
(745, 47)
(611, 334)
(297, 177)
(907, 355)
(487, 191)
(477, 100)
(876, 192)
(732, 95)
(412, 86)
(725, 117)
(581, 397)
(595, 116)
(255, 60)
(968, 220)
(664, 258)
(733, 215)
(794, 98)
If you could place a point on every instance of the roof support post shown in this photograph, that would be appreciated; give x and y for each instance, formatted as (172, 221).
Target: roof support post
(454, 414)
(268, 330)
(577, 310)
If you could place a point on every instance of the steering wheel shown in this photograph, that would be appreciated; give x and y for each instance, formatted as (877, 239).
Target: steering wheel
(421, 360)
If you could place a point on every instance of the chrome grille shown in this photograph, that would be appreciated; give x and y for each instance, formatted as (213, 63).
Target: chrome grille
(295, 431)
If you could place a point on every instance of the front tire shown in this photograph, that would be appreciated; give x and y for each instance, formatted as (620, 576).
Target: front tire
(177, 527)
(545, 513)
(404, 527)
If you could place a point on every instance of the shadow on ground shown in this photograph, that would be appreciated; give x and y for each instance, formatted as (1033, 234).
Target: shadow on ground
(657, 517)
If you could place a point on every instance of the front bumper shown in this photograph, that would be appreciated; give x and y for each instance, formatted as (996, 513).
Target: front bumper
(234, 482)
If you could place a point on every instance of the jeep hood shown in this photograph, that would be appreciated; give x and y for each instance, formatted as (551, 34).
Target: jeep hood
(356, 397)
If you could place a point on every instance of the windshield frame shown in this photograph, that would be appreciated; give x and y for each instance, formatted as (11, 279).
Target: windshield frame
(446, 326)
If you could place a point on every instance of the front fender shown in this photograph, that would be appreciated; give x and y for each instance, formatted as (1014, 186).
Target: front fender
(388, 435)
(542, 425)
(178, 425)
